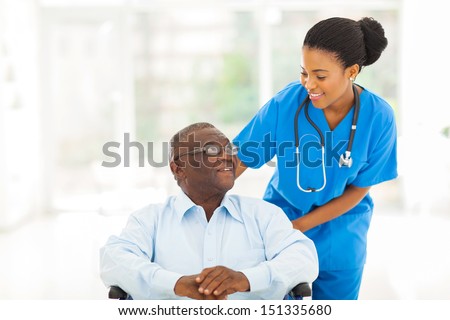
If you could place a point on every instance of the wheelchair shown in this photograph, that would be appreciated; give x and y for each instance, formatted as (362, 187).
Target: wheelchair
(299, 292)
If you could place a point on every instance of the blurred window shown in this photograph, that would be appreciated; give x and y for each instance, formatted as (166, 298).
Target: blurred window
(145, 72)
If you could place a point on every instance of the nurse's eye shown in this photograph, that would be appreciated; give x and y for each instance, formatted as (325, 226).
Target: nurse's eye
(321, 77)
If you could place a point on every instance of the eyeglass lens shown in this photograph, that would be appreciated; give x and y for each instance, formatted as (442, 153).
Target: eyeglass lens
(214, 150)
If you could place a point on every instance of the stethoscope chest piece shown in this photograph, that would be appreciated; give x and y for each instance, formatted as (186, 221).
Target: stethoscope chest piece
(345, 160)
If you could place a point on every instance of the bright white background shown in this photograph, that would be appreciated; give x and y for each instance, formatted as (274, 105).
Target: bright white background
(77, 74)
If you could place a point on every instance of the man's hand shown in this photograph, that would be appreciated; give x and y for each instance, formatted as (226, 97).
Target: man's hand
(187, 286)
(218, 281)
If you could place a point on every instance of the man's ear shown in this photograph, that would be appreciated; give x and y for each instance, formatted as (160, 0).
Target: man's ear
(177, 171)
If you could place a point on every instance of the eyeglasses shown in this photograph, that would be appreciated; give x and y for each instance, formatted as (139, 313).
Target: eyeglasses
(213, 150)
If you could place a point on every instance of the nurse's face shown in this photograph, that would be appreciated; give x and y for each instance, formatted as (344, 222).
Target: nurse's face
(327, 81)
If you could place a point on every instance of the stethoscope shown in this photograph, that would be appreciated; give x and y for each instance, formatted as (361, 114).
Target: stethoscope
(345, 160)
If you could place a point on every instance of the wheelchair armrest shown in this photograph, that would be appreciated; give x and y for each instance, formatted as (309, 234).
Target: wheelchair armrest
(303, 289)
(117, 293)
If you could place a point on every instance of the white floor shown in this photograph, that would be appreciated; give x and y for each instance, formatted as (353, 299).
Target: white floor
(57, 257)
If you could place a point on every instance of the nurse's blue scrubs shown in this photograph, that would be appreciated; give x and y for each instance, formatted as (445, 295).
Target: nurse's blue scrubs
(341, 242)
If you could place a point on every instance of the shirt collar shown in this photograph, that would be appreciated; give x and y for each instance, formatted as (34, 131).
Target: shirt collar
(232, 208)
(183, 204)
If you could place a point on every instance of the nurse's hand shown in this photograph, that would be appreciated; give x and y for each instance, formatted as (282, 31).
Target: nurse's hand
(239, 166)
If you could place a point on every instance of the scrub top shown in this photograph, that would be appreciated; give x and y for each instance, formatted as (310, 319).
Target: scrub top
(341, 242)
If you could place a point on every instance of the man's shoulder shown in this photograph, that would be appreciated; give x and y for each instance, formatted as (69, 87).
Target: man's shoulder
(153, 209)
(253, 202)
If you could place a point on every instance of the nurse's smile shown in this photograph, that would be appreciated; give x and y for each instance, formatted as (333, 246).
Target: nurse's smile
(315, 96)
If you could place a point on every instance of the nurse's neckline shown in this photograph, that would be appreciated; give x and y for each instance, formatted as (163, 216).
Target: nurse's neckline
(334, 118)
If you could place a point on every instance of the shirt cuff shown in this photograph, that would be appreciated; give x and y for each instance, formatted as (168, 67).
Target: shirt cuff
(258, 277)
(164, 282)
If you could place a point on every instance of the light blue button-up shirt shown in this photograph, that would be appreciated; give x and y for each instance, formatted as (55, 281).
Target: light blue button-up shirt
(163, 242)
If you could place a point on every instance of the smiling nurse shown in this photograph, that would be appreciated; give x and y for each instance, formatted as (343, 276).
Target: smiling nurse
(333, 140)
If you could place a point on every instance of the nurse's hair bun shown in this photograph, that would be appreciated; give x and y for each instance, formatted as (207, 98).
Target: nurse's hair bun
(351, 42)
(374, 39)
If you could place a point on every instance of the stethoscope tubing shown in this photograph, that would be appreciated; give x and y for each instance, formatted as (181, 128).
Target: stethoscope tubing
(346, 156)
(323, 173)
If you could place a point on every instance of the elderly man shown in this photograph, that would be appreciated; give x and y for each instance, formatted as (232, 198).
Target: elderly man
(203, 243)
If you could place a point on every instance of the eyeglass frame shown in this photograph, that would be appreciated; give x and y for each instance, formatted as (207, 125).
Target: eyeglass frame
(229, 149)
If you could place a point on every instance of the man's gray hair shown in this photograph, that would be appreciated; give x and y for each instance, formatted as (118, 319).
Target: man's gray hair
(183, 135)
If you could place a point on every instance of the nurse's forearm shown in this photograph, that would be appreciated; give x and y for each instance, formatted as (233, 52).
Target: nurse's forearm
(333, 209)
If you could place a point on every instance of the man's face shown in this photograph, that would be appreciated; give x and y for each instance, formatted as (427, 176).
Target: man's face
(205, 175)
